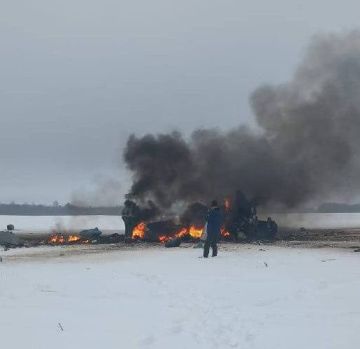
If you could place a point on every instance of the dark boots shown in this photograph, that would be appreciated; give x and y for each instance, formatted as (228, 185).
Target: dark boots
(214, 248)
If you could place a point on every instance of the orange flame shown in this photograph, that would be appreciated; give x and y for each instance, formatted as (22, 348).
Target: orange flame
(163, 238)
(195, 232)
(225, 233)
(139, 231)
(181, 233)
(56, 239)
(59, 239)
(73, 238)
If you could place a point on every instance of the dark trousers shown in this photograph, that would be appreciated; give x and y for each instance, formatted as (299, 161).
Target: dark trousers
(213, 244)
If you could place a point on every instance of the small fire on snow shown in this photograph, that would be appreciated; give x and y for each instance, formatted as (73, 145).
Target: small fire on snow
(60, 239)
(179, 234)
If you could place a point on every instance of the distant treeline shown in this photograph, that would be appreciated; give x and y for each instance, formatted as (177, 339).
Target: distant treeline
(57, 210)
(334, 207)
(74, 210)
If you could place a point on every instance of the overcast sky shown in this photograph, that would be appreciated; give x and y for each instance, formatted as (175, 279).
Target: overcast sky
(78, 76)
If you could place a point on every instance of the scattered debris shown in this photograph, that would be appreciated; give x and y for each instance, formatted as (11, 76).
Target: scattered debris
(60, 326)
(9, 239)
(175, 242)
(91, 233)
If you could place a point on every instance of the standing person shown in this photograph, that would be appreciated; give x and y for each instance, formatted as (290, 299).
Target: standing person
(130, 215)
(214, 222)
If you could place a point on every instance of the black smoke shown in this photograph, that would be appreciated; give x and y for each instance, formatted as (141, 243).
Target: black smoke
(306, 148)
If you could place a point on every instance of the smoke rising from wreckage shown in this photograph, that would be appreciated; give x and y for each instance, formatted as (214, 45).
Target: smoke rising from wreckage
(307, 147)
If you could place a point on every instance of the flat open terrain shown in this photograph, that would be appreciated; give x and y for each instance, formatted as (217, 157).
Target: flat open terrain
(250, 296)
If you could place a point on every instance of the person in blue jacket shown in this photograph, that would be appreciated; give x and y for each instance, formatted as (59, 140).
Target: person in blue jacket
(214, 222)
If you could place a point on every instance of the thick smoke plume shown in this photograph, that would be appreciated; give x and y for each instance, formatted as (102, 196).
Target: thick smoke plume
(307, 147)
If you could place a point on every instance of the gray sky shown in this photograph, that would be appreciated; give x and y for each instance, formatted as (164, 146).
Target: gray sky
(78, 76)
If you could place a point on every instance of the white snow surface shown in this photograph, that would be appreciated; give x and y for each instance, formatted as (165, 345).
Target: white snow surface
(45, 224)
(248, 297)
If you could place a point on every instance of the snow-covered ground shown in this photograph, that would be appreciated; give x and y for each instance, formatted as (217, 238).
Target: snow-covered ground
(45, 224)
(248, 297)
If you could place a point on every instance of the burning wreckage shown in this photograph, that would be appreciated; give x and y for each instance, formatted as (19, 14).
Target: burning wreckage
(89, 236)
(240, 223)
(239, 217)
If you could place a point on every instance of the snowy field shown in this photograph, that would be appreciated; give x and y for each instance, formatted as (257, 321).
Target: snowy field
(44, 224)
(249, 297)
(317, 220)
